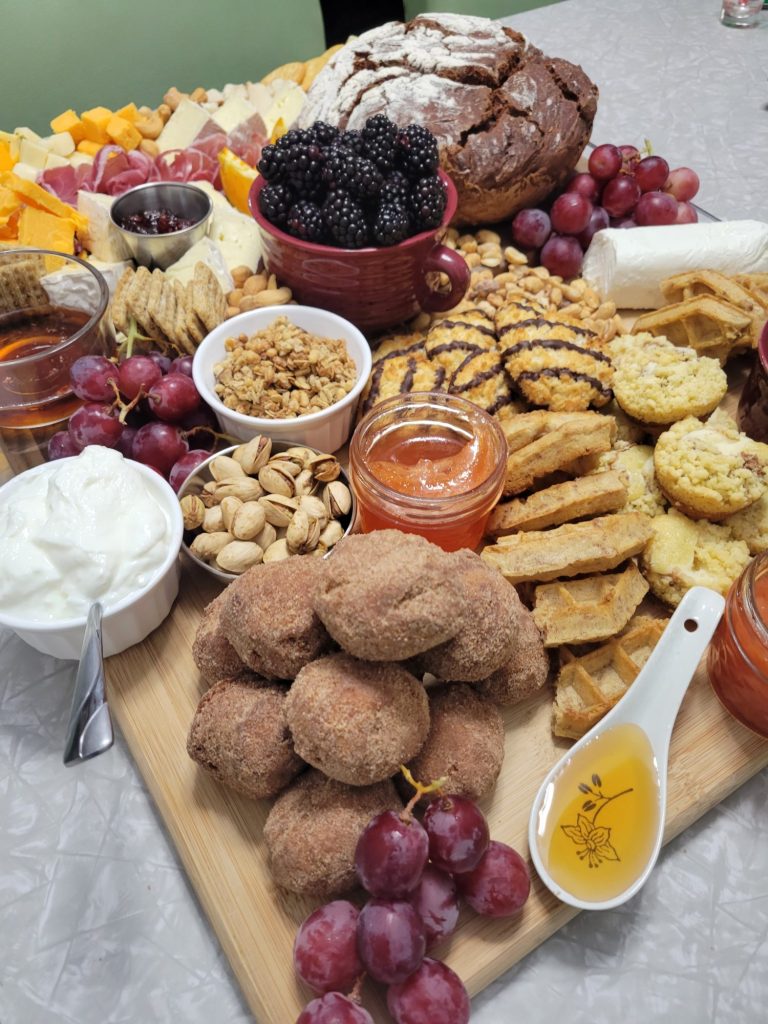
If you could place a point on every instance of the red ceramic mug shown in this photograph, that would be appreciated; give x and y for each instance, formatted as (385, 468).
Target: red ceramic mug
(373, 287)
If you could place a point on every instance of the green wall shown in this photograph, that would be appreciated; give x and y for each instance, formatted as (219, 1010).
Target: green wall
(482, 8)
(82, 53)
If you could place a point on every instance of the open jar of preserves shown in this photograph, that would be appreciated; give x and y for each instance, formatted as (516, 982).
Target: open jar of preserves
(738, 654)
(428, 463)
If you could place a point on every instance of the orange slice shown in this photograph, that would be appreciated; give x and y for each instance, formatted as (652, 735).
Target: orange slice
(236, 179)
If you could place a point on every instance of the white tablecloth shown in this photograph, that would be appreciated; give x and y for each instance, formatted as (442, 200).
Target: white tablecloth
(98, 924)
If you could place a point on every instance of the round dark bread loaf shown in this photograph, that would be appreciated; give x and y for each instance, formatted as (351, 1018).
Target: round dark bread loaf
(511, 122)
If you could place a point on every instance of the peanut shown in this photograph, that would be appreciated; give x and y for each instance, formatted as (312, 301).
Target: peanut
(149, 127)
(240, 275)
(272, 297)
(255, 283)
(149, 147)
(173, 97)
(233, 311)
(199, 95)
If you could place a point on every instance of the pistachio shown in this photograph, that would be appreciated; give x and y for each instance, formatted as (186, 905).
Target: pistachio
(287, 462)
(277, 480)
(208, 545)
(304, 455)
(277, 552)
(239, 555)
(253, 455)
(224, 468)
(337, 499)
(193, 511)
(314, 507)
(279, 509)
(213, 521)
(267, 536)
(248, 521)
(325, 468)
(298, 532)
(332, 534)
(304, 483)
(229, 506)
(245, 489)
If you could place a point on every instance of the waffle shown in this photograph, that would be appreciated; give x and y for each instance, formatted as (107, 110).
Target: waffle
(540, 443)
(583, 611)
(704, 323)
(711, 282)
(588, 687)
(570, 550)
(560, 503)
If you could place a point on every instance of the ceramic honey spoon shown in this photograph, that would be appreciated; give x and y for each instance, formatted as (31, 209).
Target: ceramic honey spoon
(597, 821)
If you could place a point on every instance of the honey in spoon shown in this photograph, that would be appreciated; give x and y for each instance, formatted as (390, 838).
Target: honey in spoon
(599, 818)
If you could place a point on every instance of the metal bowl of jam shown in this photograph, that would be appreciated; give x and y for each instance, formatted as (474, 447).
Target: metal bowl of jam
(161, 220)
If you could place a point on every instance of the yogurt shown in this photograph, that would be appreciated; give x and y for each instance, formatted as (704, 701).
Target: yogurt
(89, 529)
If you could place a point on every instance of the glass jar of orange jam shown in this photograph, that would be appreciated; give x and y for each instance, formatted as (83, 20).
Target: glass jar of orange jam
(738, 654)
(428, 463)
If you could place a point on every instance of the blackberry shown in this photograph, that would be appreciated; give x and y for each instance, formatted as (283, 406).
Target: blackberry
(391, 225)
(345, 220)
(416, 151)
(305, 220)
(426, 202)
(381, 152)
(379, 127)
(272, 164)
(396, 189)
(303, 169)
(274, 203)
(295, 137)
(353, 140)
(324, 134)
(379, 134)
(350, 173)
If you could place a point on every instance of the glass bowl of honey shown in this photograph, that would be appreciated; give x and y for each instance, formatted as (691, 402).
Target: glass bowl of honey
(428, 463)
(52, 311)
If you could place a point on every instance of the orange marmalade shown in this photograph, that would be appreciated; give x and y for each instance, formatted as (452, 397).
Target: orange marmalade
(738, 654)
(428, 463)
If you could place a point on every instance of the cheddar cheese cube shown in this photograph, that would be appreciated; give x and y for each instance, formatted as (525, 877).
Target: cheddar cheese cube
(96, 121)
(7, 159)
(91, 148)
(129, 112)
(123, 132)
(46, 231)
(69, 122)
(32, 194)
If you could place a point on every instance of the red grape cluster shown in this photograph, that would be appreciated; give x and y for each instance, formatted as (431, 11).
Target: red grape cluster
(622, 189)
(146, 406)
(415, 874)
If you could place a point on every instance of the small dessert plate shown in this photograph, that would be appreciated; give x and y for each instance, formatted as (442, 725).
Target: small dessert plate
(597, 821)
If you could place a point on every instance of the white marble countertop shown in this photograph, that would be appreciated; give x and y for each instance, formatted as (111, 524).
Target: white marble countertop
(99, 925)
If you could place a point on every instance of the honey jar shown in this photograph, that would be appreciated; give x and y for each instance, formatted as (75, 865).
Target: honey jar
(738, 654)
(428, 463)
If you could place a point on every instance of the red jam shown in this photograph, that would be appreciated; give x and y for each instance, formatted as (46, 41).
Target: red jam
(738, 654)
(154, 222)
(431, 464)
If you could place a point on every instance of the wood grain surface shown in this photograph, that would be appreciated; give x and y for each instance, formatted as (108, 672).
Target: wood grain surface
(153, 691)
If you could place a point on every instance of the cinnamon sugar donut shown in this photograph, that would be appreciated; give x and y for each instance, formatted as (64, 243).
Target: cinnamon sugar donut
(213, 654)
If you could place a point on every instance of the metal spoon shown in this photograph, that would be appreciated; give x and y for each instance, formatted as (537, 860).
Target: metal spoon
(89, 732)
(652, 703)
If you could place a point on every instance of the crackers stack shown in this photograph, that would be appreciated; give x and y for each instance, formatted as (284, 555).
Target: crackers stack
(163, 309)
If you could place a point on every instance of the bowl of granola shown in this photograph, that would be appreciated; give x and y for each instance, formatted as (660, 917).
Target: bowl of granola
(292, 372)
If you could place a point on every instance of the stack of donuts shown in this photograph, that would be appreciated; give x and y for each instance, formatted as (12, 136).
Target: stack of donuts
(327, 675)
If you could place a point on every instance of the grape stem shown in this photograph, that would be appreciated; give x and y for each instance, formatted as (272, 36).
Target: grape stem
(125, 408)
(228, 438)
(133, 335)
(356, 995)
(422, 789)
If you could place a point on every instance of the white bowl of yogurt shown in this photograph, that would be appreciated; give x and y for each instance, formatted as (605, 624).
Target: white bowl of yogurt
(94, 527)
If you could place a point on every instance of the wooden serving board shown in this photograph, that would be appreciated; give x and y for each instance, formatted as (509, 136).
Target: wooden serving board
(153, 692)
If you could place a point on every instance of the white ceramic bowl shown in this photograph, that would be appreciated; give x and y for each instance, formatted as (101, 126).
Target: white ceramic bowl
(327, 430)
(127, 621)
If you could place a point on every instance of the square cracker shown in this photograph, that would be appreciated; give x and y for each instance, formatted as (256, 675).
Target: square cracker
(181, 334)
(208, 299)
(196, 328)
(120, 314)
(20, 286)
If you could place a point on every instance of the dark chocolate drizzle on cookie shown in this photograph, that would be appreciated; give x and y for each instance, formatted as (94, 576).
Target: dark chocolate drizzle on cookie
(554, 344)
(539, 321)
(563, 371)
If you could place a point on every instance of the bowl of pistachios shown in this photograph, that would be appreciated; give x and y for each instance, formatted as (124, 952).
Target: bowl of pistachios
(262, 501)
